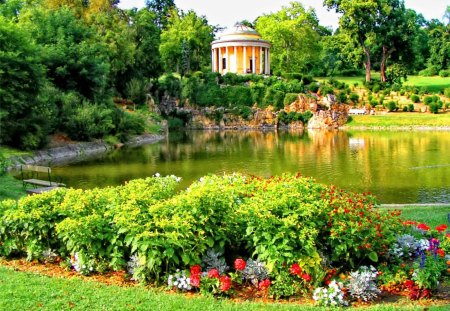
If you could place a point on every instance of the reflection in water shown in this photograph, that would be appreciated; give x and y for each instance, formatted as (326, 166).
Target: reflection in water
(399, 167)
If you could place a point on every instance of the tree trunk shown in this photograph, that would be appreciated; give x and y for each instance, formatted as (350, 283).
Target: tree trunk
(367, 64)
(383, 65)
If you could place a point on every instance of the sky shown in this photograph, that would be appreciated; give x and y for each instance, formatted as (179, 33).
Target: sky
(227, 13)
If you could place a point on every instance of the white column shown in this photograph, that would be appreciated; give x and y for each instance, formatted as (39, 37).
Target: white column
(268, 61)
(245, 59)
(220, 60)
(212, 61)
(228, 60)
(260, 60)
(253, 60)
(235, 59)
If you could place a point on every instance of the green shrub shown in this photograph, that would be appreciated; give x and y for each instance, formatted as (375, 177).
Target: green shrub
(415, 99)
(430, 71)
(238, 96)
(410, 107)
(325, 90)
(444, 73)
(434, 107)
(402, 92)
(175, 123)
(289, 98)
(136, 91)
(376, 88)
(280, 220)
(354, 97)
(342, 97)
(313, 87)
(447, 92)
(392, 106)
(405, 108)
(428, 100)
(90, 121)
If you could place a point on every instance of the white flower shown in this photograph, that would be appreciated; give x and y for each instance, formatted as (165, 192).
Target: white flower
(157, 175)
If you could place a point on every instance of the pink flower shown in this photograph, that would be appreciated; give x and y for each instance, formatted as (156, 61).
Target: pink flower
(441, 228)
(213, 273)
(423, 227)
(195, 280)
(195, 270)
(225, 283)
(264, 284)
(239, 264)
(295, 269)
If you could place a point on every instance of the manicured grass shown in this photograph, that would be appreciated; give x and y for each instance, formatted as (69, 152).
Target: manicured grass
(431, 215)
(434, 84)
(27, 291)
(11, 188)
(400, 119)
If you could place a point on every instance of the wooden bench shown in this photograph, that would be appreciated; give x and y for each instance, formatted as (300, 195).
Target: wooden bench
(31, 174)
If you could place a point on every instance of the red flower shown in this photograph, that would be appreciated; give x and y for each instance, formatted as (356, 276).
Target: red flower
(264, 284)
(239, 264)
(448, 235)
(306, 277)
(295, 269)
(225, 283)
(441, 228)
(213, 273)
(196, 270)
(409, 284)
(423, 227)
(440, 252)
(195, 280)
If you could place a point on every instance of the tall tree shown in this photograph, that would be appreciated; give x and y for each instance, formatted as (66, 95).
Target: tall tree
(294, 34)
(162, 9)
(359, 23)
(439, 45)
(189, 28)
(22, 119)
(396, 31)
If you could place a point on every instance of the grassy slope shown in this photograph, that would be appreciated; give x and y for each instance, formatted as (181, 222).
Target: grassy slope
(11, 188)
(401, 119)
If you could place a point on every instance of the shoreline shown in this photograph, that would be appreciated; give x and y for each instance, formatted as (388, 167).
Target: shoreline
(79, 151)
(404, 128)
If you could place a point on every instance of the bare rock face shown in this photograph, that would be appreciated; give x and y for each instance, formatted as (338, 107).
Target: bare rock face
(216, 118)
(303, 103)
(168, 104)
(335, 117)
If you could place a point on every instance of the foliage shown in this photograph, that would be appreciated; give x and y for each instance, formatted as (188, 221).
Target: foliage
(362, 286)
(333, 295)
(415, 98)
(294, 33)
(23, 120)
(190, 31)
(214, 260)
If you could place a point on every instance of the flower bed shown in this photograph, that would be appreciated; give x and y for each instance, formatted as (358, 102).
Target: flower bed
(284, 236)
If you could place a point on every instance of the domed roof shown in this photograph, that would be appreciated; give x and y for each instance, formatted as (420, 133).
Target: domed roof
(239, 32)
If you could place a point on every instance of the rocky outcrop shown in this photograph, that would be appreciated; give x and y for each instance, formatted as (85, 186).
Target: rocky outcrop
(210, 118)
(336, 117)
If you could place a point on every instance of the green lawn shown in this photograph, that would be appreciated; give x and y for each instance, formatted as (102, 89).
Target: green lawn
(11, 188)
(400, 119)
(432, 84)
(27, 291)
(431, 215)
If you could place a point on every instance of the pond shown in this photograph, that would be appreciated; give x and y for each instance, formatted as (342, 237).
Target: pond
(399, 167)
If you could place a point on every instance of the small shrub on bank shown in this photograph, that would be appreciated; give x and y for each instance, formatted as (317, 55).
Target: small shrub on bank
(415, 98)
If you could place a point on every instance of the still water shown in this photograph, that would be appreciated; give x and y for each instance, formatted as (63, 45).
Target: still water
(399, 167)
